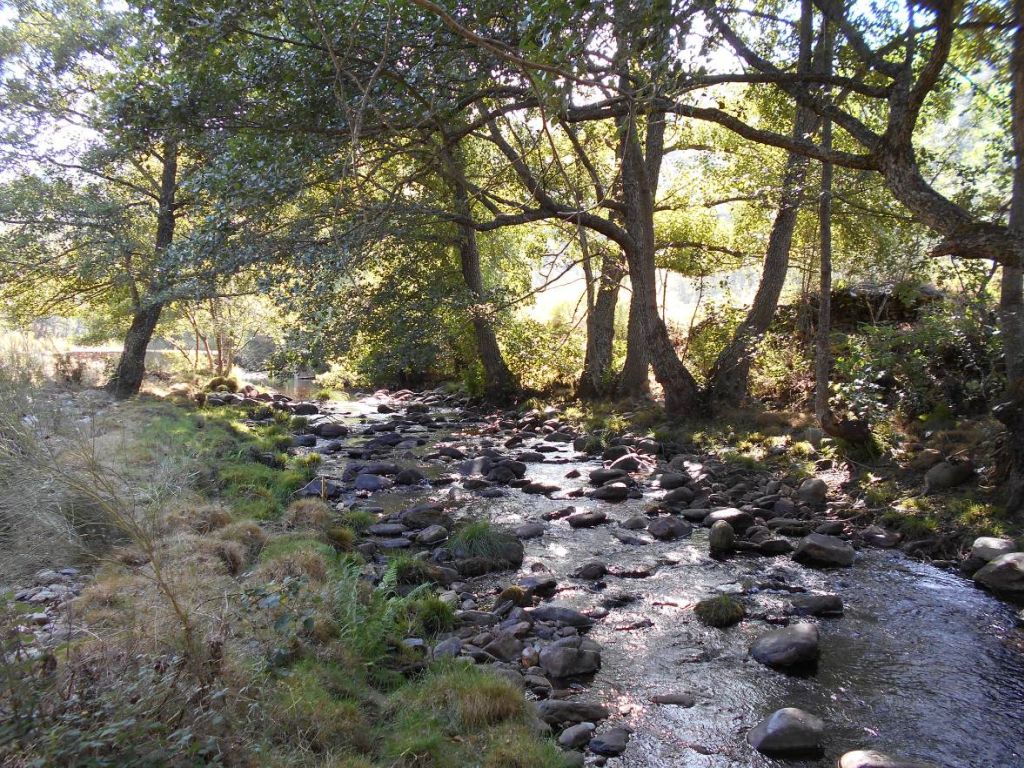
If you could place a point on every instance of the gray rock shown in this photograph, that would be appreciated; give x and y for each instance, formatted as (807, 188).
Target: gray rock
(628, 463)
(505, 646)
(948, 474)
(587, 519)
(603, 475)
(816, 549)
(449, 648)
(682, 495)
(433, 534)
(611, 492)
(792, 646)
(592, 571)
(571, 659)
(372, 483)
(672, 480)
(561, 615)
(988, 548)
(1004, 576)
(556, 711)
(576, 736)
(877, 536)
(669, 528)
(813, 490)
(634, 523)
(531, 530)
(610, 743)
(788, 731)
(737, 519)
(774, 546)
(787, 526)
(674, 699)
(722, 538)
(817, 605)
(409, 477)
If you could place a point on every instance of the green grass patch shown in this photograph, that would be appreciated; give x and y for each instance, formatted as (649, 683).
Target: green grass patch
(480, 539)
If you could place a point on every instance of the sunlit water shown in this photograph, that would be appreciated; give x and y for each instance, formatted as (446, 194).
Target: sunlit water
(920, 665)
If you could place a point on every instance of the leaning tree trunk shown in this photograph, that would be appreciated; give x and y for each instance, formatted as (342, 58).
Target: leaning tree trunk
(131, 367)
(596, 379)
(728, 384)
(499, 384)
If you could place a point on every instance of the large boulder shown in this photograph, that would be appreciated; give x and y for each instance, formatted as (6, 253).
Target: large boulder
(722, 538)
(948, 474)
(792, 646)
(813, 490)
(1004, 576)
(610, 743)
(571, 657)
(668, 528)
(738, 520)
(787, 732)
(988, 548)
(610, 492)
(823, 551)
(556, 711)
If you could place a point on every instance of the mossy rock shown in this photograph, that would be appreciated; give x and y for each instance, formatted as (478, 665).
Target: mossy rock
(722, 611)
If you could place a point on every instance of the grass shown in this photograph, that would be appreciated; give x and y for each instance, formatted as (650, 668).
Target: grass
(299, 659)
(480, 539)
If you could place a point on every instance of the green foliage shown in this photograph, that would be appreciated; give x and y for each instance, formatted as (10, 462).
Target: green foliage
(480, 539)
(542, 355)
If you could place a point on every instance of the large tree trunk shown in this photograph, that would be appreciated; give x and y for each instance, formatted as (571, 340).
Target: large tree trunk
(729, 381)
(131, 367)
(634, 380)
(499, 384)
(638, 188)
(596, 380)
(1011, 412)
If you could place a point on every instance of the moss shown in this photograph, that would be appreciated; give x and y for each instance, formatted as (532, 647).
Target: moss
(721, 611)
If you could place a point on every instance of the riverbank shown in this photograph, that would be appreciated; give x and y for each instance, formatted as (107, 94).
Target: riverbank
(563, 563)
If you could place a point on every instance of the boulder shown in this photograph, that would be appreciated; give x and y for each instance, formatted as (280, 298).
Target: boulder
(557, 711)
(813, 490)
(786, 732)
(680, 495)
(432, 534)
(722, 538)
(603, 475)
(612, 492)
(372, 483)
(610, 743)
(576, 736)
(792, 646)
(988, 548)
(560, 614)
(530, 530)
(628, 463)
(877, 536)
(671, 480)
(737, 519)
(571, 657)
(587, 519)
(591, 571)
(817, 549)
(948, 474)
(817, 605)
(669, 528)
(1004, 576)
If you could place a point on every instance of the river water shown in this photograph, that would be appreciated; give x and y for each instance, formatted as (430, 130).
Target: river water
(921, 665)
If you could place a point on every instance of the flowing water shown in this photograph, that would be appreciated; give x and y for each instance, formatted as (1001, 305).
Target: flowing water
(921, 665)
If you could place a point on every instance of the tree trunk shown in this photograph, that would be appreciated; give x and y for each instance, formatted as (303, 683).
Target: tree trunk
(679, 386)
(634, 380)
(131, 367)
(1011, 412)
(499, 384)
(596, 379)
(729, 381)
(823, 350)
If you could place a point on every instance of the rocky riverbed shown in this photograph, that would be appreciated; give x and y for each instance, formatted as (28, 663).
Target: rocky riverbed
(843, 645)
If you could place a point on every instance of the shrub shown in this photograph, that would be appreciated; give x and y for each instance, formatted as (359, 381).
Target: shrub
(480, 539)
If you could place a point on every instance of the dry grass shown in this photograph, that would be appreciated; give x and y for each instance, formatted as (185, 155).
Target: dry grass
(308, 513)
